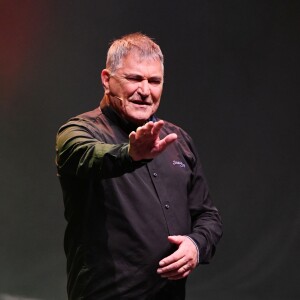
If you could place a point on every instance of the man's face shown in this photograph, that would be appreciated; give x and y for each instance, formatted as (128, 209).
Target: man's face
(139, 83)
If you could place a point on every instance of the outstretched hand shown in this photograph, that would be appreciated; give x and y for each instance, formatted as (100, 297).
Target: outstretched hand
(145, 143)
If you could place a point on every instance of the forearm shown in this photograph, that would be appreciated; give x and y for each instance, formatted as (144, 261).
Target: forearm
(206, 220)
(206, 232)
(80, 154)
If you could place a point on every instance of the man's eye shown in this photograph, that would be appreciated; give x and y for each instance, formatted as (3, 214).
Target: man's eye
(133, 79)
(154, 81)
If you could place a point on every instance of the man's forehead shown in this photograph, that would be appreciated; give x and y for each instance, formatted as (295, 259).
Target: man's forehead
(133, 63)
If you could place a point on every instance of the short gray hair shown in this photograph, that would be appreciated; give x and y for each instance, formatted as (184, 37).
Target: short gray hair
(137, 42)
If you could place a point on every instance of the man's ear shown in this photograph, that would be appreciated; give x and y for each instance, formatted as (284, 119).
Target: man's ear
(105, 75)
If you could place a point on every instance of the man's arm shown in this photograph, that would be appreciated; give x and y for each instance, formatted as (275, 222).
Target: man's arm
(79, 153)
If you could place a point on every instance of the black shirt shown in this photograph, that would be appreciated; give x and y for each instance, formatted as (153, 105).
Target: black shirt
(120, 212)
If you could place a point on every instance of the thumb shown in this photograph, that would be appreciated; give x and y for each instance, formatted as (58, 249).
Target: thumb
(176, 239)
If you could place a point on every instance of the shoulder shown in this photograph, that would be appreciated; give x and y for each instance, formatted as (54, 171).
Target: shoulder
(87, 119)
(92, 116)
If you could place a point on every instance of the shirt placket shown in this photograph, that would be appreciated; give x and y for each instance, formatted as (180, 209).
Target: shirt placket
(157, 178)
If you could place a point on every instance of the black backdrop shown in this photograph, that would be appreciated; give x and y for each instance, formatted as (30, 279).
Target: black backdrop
(232, 81)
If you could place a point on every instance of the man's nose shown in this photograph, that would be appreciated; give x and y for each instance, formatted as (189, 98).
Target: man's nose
(144, 87)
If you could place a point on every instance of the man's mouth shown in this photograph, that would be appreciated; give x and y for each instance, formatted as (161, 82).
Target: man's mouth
(140, 102)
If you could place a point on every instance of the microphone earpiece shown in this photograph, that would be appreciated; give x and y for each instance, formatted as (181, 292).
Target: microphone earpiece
(119, 98)
(112, 95)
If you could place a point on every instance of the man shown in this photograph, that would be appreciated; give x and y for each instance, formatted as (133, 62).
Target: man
(139, 214)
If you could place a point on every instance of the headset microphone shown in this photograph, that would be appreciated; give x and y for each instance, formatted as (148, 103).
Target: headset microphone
(114, 96)
(119, 98)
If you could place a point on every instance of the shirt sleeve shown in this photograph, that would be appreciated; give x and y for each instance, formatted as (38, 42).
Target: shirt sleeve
(80, 153)
(206, 220)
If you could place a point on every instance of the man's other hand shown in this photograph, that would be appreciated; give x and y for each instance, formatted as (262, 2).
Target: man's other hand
(182, 262)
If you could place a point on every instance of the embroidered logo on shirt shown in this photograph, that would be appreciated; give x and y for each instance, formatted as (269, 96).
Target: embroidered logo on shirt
(178, 163)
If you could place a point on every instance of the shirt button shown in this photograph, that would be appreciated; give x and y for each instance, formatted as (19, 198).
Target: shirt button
(155, 174)
(167, 206)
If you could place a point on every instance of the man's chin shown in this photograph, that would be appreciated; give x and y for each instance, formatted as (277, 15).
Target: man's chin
(139, 116)
(139, 120)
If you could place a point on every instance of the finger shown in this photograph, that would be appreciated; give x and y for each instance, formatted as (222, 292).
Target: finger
(140, 131)
(177, 272)
(132, 137)
(165, 142)
(157, 127)
(177, 255)
(170, 265)
(176, 277)
(149, 125)
(145, 130)
(170, 138)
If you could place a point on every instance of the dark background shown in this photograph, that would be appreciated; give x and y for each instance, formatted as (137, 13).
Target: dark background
(232, 82)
